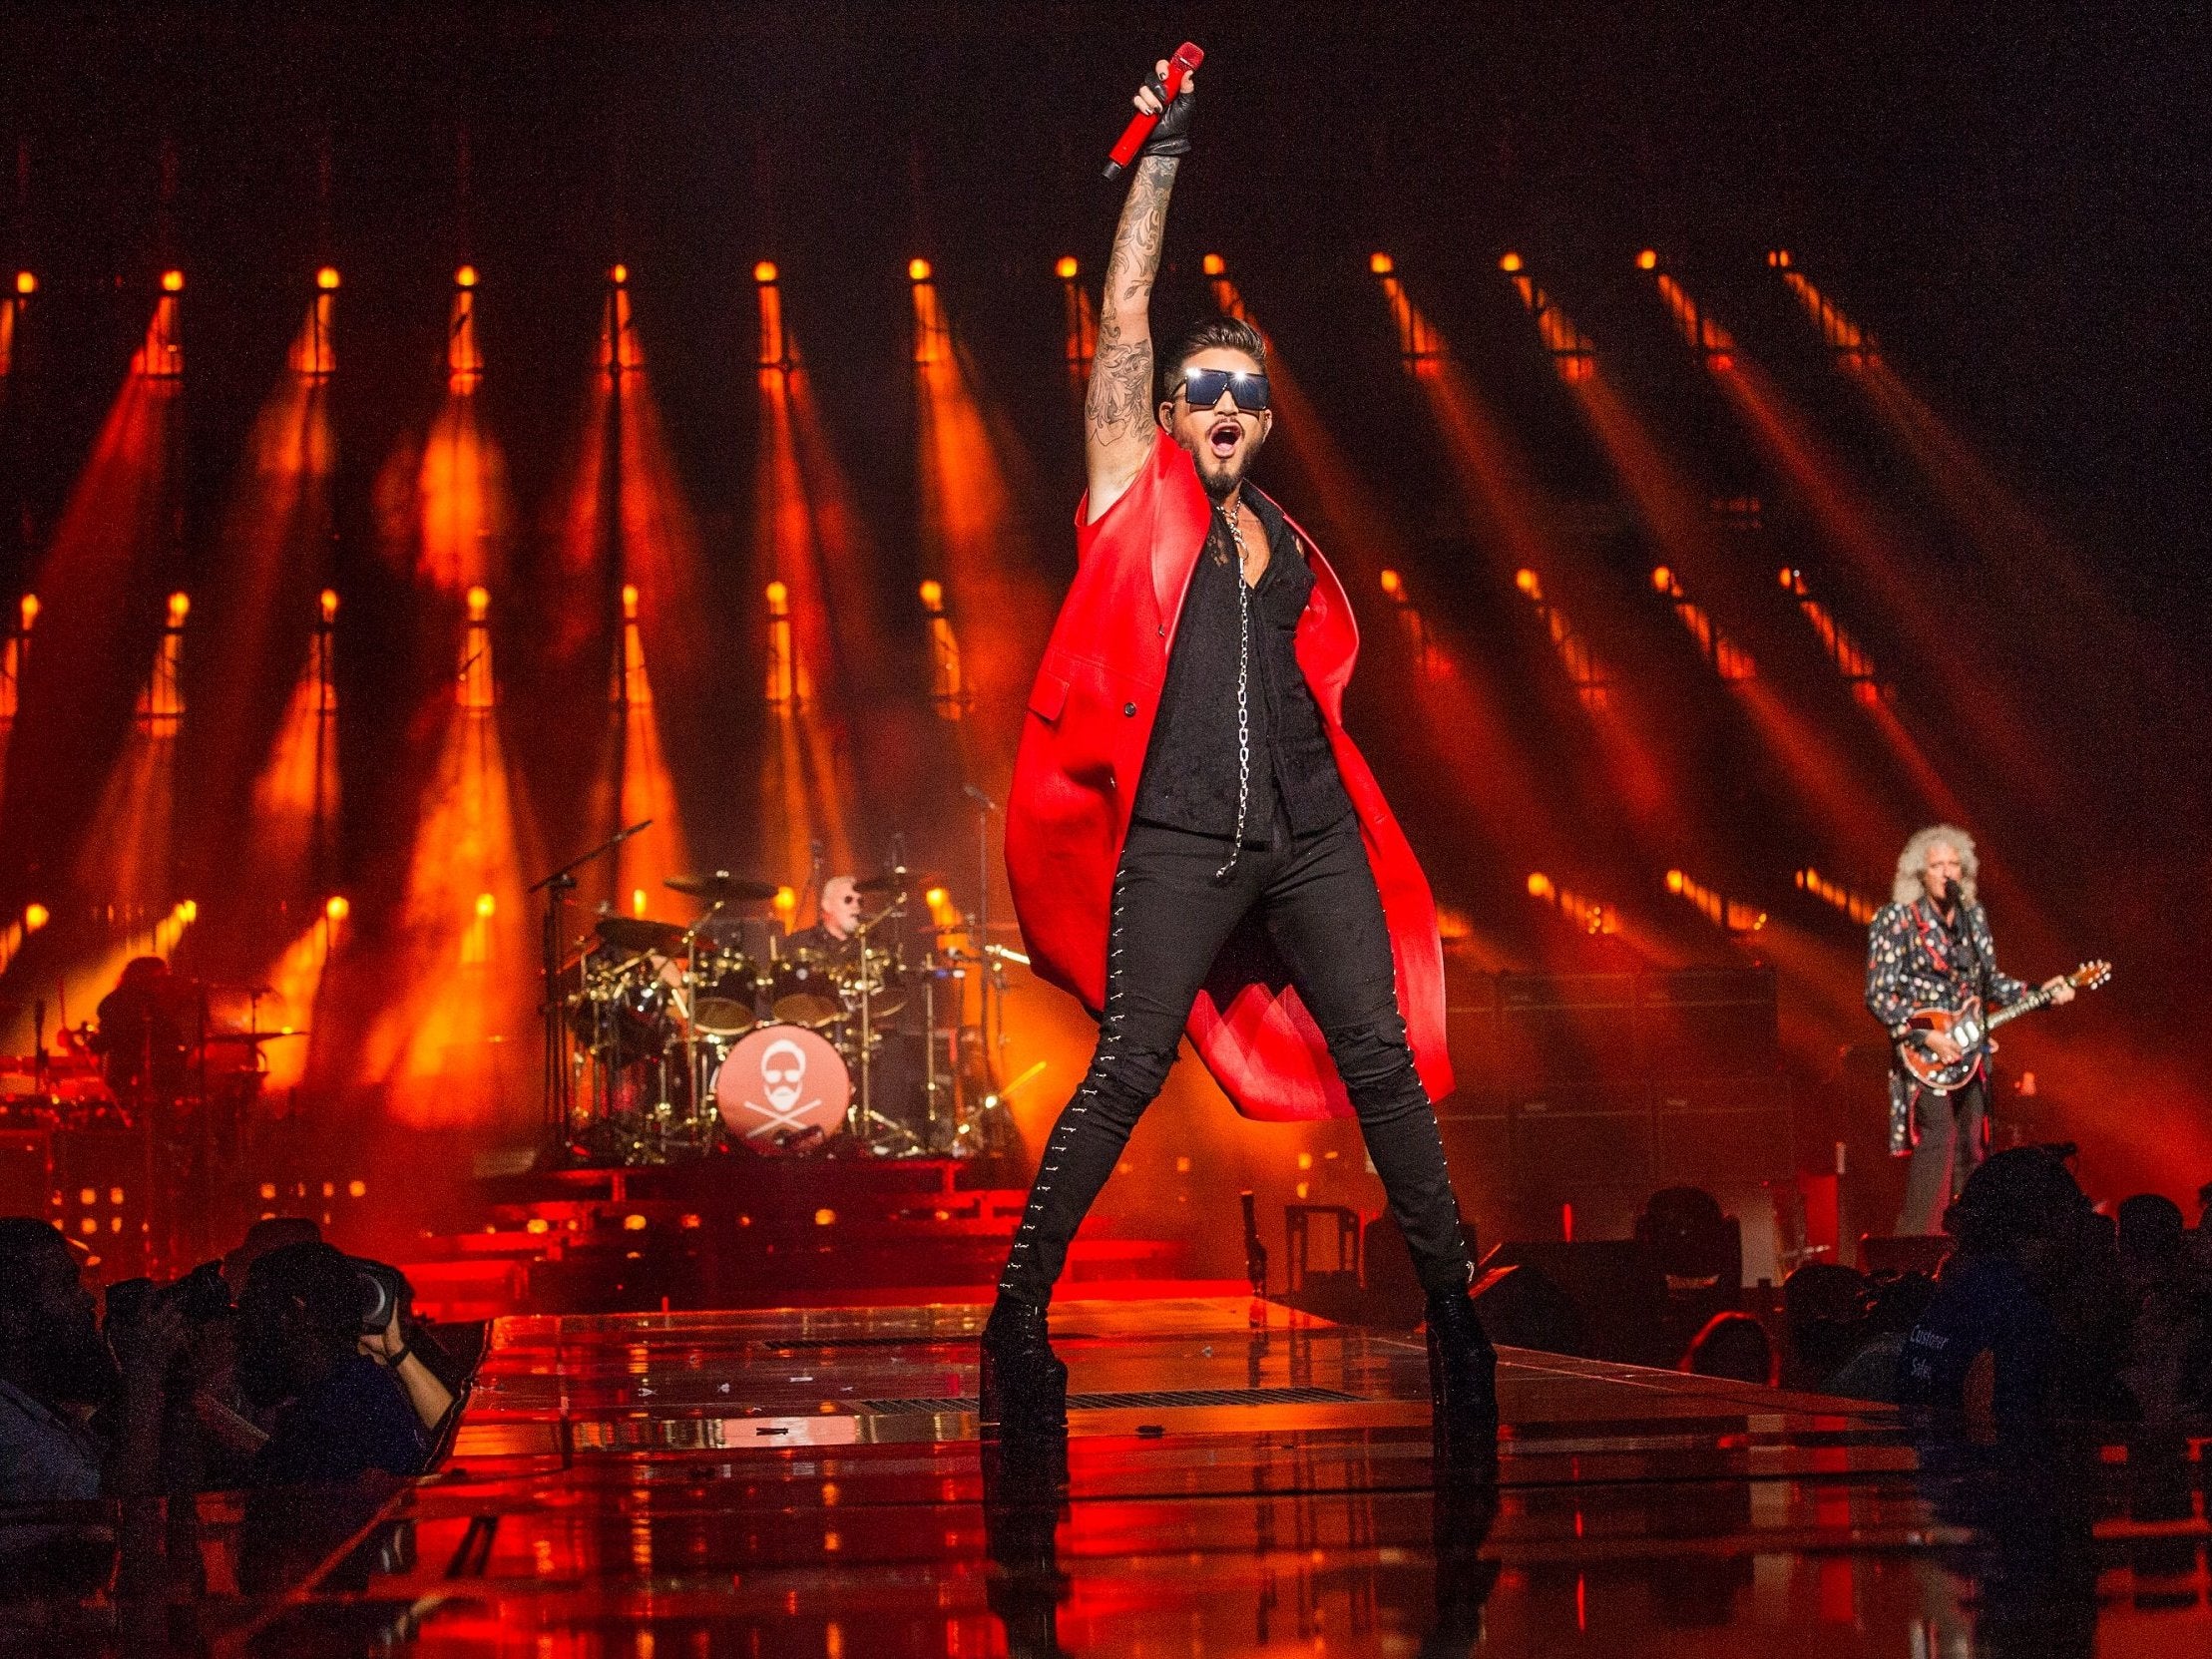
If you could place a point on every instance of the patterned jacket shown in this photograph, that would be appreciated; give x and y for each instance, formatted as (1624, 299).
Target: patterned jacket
(1913, 962)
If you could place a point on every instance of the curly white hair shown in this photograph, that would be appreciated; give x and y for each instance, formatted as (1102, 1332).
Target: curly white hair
(1907, 888)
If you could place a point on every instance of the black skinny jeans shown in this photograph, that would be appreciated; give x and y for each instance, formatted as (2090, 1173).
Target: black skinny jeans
(1317, 899)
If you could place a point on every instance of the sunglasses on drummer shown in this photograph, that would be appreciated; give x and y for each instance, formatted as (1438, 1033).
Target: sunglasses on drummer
(1202, 389)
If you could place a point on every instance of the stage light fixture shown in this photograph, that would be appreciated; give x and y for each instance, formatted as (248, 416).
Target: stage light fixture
(486, 905)
(778, 597)
(1778, 258)
(1510, 264)
(1526, 580)
(917, 270)
(330, 604)
(25, 282)
(1393, 584)
(189, 911)
(1674, 881)
(825, 1218)
(328, 279)
(1647, 261)
(30, 611)
(765, 271)
(933, 596)
(1213, 265)
(619, 276)
(465, 277)
(173, 281)
(935, 896)
(35, 916)
(630, 602)
(180, 606)
(480, 603)
(1662, 579)
(1382, 264)
(1540, 885)
(337, 907)
(1065, 268)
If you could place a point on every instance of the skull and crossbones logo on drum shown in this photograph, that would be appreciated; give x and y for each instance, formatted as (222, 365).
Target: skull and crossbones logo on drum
(782, 1089)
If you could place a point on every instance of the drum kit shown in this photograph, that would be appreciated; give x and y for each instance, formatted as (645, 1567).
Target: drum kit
(730, 1032)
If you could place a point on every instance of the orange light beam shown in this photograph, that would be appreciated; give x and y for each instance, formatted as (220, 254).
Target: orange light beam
(277, 536)
(976, 540)
(1856, 526)
(1982, 507)
(451, 1044)
(1682, 529)
(292, 833)
(1485, 764)
(114, 530)
(124, 859)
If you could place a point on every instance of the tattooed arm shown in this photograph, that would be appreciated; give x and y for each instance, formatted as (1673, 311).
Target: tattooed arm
(1118, 426)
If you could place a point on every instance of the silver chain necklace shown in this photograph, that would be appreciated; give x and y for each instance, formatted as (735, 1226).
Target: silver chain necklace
(1243, 696)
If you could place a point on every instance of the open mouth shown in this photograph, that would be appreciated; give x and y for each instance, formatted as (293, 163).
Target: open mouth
(1223, 437)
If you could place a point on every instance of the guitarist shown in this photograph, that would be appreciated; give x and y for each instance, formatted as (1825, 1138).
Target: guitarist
(1929, 947)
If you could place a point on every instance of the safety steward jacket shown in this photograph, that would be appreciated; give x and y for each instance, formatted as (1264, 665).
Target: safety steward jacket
(1083, 748)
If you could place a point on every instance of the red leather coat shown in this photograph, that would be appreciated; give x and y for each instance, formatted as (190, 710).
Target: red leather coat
(1083, 748)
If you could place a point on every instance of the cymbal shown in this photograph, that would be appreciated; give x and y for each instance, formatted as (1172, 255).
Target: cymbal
(898, 876)
(723, 884)
(638, 932)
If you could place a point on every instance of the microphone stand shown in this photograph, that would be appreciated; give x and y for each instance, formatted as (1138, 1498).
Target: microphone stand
(560, 1088)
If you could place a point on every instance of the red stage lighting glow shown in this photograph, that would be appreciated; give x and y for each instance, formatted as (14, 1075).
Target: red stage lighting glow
(1510, 264)
(619, 276)
(918, 271)
(35, 916)
(1382, 264)
(465, 277)
(173, 281)
(1647, 261)
(765, 271)
(1214, 266)
(1065, 268)
(328, 279)
(26, 283)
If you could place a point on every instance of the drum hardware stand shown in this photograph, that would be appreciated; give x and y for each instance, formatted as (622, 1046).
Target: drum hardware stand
(864, 1117)
(695, 1074)
(560, 1088)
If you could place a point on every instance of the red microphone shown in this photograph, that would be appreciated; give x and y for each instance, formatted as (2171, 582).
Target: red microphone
(1187, 58)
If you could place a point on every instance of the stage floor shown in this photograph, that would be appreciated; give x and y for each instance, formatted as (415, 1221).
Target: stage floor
(808, 1482)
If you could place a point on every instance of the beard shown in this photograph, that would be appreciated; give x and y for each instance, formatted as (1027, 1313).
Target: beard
(1220, 480)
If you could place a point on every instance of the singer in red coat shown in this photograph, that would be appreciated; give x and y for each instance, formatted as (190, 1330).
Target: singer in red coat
(1091, 717)
(1194, 842)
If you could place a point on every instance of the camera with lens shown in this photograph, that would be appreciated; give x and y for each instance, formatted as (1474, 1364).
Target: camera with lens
(384, 1292)
(200, 1296)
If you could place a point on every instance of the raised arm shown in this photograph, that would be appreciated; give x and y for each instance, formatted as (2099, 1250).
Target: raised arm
(1119, 428)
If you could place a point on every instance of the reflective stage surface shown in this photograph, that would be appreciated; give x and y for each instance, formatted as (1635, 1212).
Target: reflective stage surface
(807, 1482)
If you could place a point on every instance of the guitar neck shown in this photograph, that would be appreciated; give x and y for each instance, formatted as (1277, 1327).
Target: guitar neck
(2038, 997)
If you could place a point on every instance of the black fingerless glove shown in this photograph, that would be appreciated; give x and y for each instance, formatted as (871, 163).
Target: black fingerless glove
(1171, 133)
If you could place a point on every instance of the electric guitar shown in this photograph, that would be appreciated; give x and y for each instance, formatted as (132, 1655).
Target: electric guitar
(1969, 1028)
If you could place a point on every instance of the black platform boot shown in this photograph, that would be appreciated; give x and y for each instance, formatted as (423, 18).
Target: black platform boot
(1023, 1388)
(1462, 1380)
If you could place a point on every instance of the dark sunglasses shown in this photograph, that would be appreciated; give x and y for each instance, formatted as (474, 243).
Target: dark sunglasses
(1202, 389)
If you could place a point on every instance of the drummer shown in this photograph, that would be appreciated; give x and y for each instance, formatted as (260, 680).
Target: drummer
(836, 935)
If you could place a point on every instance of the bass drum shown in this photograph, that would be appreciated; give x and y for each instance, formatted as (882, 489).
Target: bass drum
(783, 1091)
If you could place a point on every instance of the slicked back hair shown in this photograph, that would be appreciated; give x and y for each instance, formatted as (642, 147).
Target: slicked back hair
(1223, 333)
